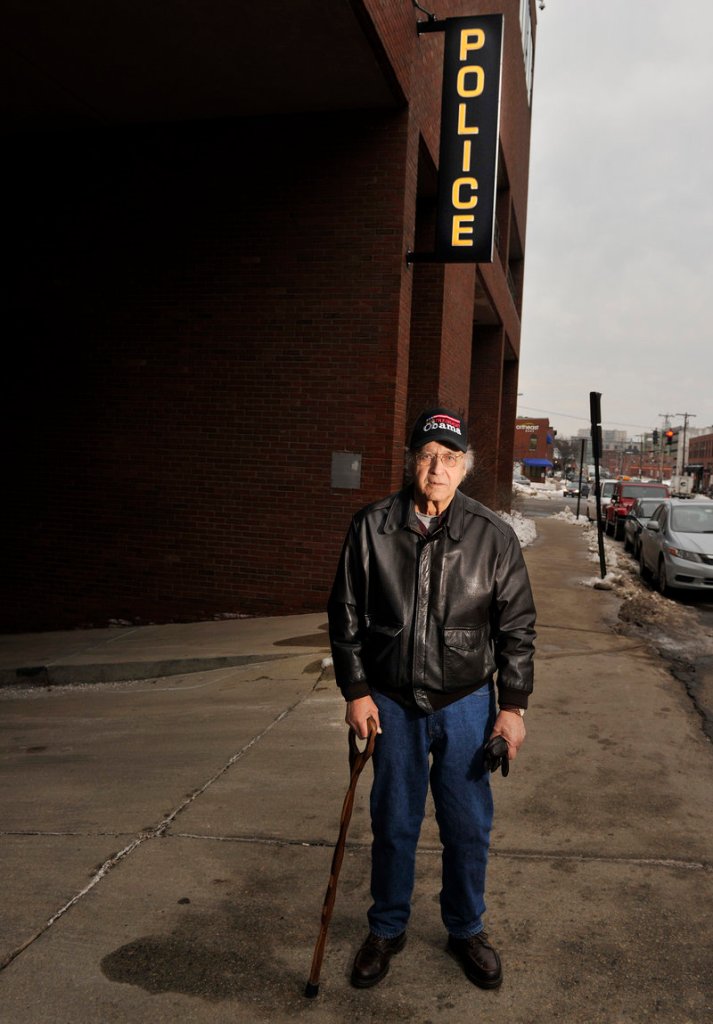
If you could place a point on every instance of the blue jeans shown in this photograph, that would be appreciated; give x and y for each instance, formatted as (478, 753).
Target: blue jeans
(454, 738)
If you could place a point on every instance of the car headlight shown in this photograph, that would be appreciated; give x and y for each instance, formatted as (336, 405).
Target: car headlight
(688, 556)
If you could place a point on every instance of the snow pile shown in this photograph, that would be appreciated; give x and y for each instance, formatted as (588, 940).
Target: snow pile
(545, 493)
(619, 566)
(524, 528)
(666, 623)
(568, 516)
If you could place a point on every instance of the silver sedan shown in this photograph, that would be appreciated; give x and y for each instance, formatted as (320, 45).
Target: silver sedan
(676, 546)
(639, 515)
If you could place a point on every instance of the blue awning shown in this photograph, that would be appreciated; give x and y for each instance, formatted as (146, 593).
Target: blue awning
(537, 462)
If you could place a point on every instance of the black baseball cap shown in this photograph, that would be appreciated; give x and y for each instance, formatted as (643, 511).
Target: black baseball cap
(442, 425)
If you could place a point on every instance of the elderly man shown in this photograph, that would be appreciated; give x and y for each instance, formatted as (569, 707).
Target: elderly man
(431, 624)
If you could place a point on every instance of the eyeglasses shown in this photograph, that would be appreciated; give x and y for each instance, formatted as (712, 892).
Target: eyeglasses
(449, 459)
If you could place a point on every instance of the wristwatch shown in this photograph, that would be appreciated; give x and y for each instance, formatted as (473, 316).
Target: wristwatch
(517, 711)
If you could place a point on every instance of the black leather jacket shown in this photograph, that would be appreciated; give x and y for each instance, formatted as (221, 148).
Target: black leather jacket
(438, 615)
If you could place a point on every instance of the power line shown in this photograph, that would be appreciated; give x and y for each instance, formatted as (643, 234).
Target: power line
(584, 419)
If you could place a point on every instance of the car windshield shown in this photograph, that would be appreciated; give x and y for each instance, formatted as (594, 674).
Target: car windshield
(643, 491)
(692, 519)
(646, 506)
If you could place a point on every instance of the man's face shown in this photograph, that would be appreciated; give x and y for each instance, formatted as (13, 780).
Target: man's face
(434, 479)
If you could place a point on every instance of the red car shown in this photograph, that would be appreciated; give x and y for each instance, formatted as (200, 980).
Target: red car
(624, 496)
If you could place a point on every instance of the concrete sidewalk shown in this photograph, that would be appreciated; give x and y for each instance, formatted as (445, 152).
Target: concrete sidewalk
(166, 841)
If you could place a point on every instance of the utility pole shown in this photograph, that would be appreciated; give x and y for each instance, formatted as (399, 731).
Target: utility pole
(666, 417)
(681, 453)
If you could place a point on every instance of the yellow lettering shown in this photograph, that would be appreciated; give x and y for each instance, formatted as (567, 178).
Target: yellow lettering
(466, 154)
(471, 69)
(478, 41)
(463, 128)
(459, 203)
(462, 225)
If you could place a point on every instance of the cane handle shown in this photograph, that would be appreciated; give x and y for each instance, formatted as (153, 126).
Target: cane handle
(357, 757)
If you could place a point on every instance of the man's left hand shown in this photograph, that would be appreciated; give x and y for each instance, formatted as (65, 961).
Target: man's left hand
(512, 728)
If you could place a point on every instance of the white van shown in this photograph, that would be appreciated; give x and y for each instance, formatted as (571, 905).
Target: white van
(607, 489)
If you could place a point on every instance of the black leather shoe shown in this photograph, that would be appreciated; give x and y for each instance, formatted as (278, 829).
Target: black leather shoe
(371, 963)
(479, 960)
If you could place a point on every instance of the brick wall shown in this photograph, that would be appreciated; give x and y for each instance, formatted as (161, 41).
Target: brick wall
(200, 315)
(206, 330)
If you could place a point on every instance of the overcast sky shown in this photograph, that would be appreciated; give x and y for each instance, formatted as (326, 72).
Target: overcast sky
(619, 263)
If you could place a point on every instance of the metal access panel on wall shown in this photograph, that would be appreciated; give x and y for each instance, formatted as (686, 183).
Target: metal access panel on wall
(346, 470)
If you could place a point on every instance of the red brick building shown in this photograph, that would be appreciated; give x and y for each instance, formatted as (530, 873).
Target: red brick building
(219, 345)
(534, 446)
(700, 453)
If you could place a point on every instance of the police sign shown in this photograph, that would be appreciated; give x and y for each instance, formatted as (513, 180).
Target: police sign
(470, 121)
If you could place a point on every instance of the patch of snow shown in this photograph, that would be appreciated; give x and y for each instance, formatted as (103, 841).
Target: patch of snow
(545, 492)
(524, 528)
(568, 516)
(611, 581)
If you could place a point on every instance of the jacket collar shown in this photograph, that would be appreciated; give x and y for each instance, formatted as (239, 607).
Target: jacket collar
(398, 516)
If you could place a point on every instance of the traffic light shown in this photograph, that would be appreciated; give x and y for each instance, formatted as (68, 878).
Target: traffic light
(656, 438)
(668, 434)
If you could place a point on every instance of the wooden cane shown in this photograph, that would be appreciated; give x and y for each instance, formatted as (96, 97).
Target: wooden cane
(357, 760)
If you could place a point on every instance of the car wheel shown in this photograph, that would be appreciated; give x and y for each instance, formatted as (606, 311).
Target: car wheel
(609, 528)
(644, 571)
(664, 588)
(619, 529)
(628, 546)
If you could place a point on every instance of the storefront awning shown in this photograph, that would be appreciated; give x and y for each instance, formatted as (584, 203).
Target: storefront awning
(537, 462)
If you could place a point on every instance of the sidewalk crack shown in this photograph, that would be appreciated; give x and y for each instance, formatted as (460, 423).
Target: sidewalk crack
(145, 835)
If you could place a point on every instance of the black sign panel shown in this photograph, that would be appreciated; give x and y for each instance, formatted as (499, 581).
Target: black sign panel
(470, 118)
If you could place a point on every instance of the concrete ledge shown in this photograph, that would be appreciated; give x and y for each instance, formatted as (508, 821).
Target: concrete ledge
(108, 672)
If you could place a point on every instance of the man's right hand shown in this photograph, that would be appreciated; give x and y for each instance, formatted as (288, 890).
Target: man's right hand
(359, 712)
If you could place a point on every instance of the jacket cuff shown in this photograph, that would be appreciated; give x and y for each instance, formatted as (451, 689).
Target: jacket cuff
(512, 699)
(355, 691)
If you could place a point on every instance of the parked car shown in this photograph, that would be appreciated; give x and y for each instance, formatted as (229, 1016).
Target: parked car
(590, 510)
(676, 546)
(639, 515)
(522, 485)
(623, 497)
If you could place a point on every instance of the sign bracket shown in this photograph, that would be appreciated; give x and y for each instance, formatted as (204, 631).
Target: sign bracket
(432, 25)
(421, 257)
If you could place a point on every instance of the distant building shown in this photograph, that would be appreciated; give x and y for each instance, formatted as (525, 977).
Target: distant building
(700, 453)
(534, 446)
(614, 439)
(678, 452)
